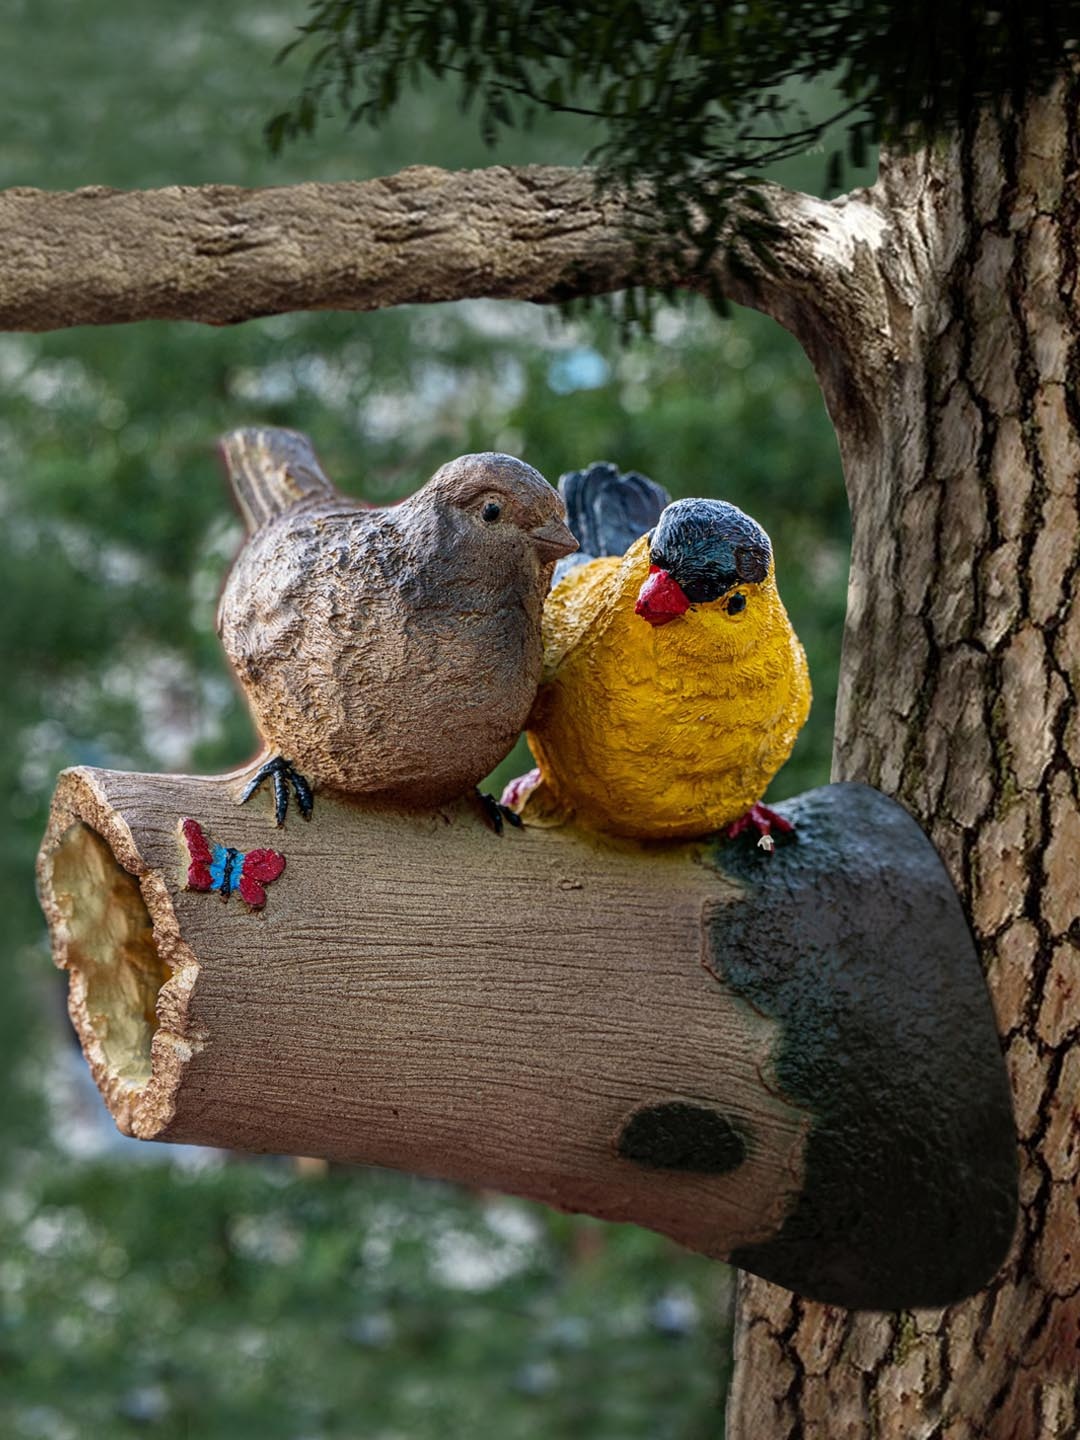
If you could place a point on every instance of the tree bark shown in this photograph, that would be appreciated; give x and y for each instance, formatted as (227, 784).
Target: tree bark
(959, 696)
(220, 254)
(744, 1052)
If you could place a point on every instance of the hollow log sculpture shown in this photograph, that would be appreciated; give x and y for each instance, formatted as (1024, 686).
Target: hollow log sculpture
(788, 1061)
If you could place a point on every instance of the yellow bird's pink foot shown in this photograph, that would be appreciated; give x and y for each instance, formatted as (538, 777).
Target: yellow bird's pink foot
(760, 818)
(530, 798)
(517, 791)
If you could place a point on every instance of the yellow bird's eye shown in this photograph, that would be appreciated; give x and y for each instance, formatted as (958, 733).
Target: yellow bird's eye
(737, 604)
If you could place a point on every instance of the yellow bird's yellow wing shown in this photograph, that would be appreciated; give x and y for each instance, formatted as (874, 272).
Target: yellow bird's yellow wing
(576, 606)
(576, 612)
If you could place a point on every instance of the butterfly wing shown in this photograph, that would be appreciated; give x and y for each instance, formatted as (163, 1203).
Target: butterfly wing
(198, 875)
(212, 865)
(220, 870)
(260, 867)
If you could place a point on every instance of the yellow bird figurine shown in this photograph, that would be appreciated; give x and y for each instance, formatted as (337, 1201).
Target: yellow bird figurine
(673, 684)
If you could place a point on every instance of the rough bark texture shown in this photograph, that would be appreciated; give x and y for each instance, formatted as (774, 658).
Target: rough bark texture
(959, 696)
(220, 254)
(707, 1040)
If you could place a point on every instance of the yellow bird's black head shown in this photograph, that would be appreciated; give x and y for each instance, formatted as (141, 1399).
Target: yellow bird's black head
(699, 550)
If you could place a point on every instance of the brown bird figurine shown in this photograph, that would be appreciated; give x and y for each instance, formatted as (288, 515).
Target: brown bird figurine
(392, 653)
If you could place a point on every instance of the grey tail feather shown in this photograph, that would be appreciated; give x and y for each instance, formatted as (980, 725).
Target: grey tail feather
(270, 471)
(607, 511)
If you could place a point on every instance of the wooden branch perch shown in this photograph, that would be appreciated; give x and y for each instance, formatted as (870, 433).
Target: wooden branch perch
(791, 1062)
(221, 254)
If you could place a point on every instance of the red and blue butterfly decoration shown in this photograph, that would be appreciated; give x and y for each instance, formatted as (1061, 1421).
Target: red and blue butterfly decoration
(221, 868)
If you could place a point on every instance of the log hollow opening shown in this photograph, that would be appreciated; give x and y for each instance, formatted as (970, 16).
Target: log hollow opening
(112, 951)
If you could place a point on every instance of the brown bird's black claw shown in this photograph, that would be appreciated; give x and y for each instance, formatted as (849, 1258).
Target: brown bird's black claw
(497, 815)
(281, 797)
(282, 774)
(304, 797)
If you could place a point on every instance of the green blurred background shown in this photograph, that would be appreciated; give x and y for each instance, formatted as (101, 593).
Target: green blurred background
(178, 1293)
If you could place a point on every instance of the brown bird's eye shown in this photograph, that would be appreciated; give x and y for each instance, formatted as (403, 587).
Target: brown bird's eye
(736, 605)
(491, 511)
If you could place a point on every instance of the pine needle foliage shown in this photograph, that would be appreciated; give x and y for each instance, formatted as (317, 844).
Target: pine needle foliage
(691, 98)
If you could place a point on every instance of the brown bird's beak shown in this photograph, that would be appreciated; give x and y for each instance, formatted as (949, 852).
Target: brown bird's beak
(553, 540)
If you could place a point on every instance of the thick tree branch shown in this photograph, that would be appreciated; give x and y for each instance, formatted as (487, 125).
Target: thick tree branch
(219, 254)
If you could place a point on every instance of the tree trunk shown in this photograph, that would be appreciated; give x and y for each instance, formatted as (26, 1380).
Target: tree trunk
(959, 697)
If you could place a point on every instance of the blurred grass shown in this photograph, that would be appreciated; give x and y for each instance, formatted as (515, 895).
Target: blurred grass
(241, 1299)
(246, 1302)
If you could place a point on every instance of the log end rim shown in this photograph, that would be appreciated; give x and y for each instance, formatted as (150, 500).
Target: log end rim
(113, 928)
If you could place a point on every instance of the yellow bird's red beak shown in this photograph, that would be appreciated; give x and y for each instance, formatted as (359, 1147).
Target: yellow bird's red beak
(661, 598)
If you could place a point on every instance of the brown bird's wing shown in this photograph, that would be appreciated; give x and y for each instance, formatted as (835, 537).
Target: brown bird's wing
(296, 589)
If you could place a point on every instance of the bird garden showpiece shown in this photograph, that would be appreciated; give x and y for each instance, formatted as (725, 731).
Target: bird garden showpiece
(391, 653)
(674, 685)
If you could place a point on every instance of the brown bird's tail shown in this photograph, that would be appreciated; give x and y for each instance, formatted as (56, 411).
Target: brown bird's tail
(271, 470)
